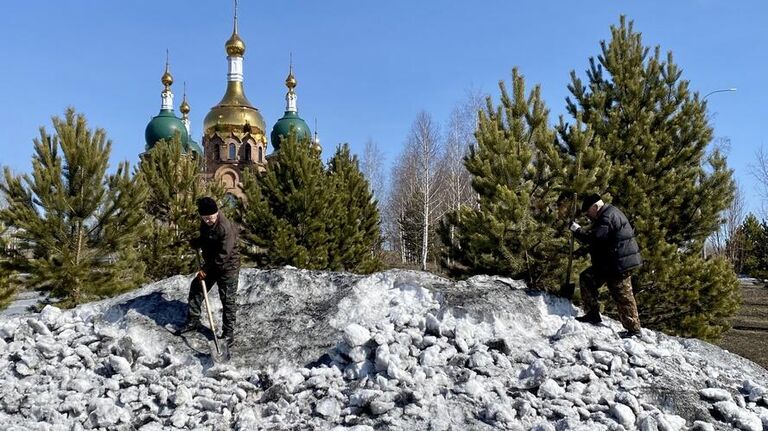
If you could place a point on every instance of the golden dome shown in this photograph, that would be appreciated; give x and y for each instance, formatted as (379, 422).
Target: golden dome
(290, 81)
(233, 113)
(167, 79)
(184, 108)
(235, 46)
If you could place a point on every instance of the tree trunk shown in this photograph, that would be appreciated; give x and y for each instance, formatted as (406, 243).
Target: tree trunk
(425, 224)
(402, 237)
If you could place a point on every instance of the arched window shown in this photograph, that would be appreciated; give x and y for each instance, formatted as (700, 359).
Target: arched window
(232, 152)
(248, 152)
(261, 155)
(230, 200)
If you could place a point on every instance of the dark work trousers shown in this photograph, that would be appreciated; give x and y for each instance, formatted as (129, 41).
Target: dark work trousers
(227, 292)
(620, 287)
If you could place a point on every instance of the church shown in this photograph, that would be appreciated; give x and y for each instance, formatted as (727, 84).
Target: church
(234, 131)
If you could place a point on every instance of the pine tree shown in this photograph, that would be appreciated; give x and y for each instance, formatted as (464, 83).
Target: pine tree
(285, 210)
(511, 231)
(173, 181)
(355, 230)
(574, 166)
(753, 257)
(654, 133)
(76, 226)
(7, 286)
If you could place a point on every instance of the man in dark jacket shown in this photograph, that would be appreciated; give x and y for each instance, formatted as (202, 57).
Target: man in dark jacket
(614, 251)
(218, 242)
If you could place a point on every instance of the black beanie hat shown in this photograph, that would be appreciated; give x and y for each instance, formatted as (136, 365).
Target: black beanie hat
(588, 201)
(207, 206)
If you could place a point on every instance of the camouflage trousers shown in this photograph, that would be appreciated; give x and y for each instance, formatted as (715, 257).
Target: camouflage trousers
(620, 288)
(227, 293)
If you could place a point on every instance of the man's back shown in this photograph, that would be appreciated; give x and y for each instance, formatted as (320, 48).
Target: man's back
(612, 242)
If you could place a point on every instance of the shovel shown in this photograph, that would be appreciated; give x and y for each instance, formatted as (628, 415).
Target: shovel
(219, 352)
(568, 288)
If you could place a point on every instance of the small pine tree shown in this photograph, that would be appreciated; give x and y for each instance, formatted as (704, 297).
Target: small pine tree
(355, 230)
(173, 180)
(753, 257)
(75, 226)
(285, 210)
(510, 232)
(655, 134)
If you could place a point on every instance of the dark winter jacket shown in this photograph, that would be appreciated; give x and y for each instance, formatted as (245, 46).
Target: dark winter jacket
(219, 246)
(611, 242)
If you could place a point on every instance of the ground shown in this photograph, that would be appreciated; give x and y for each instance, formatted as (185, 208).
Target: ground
(749, 334)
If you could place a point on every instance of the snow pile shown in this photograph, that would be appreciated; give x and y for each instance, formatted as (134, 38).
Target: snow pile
(394, 350)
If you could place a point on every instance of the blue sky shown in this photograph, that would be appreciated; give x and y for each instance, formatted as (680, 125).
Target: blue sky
(365, 69)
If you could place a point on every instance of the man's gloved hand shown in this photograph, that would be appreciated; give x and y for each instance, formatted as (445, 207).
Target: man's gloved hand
(574, 226)
(201, 274)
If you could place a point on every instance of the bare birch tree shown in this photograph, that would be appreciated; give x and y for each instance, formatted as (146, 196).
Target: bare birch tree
(424, 140)
(734, 218)
(398, 216)
(372, 166)
(429, 179)
(459, 135)
(760, 172)
(725, 241)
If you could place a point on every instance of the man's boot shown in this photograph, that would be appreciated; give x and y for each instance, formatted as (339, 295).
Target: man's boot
(229, 338)
(190, 325)
(628, 334)
(593, 317)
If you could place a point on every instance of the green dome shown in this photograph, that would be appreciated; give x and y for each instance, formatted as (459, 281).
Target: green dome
(164, 126)
(194, 146)
(283, 128)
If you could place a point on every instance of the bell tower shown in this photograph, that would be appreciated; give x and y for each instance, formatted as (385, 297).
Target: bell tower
(234, 130)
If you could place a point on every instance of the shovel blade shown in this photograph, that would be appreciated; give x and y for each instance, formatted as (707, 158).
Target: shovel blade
(219, 351)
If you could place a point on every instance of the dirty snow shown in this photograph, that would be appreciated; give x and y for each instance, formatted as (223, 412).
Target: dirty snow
(393, 350)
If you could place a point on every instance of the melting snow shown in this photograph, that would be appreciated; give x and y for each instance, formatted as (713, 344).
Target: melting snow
(393, 350)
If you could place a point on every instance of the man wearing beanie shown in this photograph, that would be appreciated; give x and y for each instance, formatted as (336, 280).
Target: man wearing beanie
(218, 242)
(614, 252)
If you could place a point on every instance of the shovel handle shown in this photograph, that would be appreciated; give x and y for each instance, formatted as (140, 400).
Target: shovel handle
(210, 316)
(567, 289)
